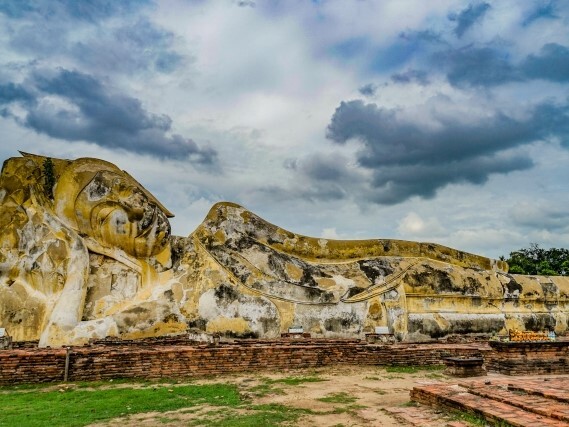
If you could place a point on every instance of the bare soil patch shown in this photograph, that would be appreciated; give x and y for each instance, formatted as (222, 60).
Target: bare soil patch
(332, 396)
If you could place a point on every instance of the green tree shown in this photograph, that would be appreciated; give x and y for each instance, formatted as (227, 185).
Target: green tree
(536, 260)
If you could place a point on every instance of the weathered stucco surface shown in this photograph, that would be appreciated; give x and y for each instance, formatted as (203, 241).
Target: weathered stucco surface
(86, 252)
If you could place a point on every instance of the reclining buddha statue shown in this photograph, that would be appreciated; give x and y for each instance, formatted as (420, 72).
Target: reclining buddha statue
(86, 253)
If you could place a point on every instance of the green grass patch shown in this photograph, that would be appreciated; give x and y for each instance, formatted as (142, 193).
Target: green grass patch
(77, 407)
(412, 369)
(119, 381)
(342, 397)
(267, 385)
(345, 402)
(89, 384)
(394, 377)
(253, 415)
(26, 387)
(265, 389)
(472, 419)
(350, 409)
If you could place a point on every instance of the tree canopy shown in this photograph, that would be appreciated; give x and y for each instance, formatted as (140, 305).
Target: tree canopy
(539, 261)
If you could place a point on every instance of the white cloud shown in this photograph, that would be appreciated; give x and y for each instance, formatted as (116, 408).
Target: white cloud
(261, 84)
(414, 226)
(329, 233)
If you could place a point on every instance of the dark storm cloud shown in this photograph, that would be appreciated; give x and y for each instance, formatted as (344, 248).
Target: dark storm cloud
(411, 76)
(314, 192)
(91, 111)
(368, 89)
(38, 40)
(397, 183)
(350, 48)
(552, 122)
(552, 63)
(424, 36)
(468, 17)
(407, 45)
(473, 66)
(547, 10)
(390, 138)
(492, 66)
(86, 10)
(541, 216)
(11, 92)
(318, 177)
(133, 46)
(477, 65)
(409, 159)
(246, 3)
(326, 167)
(110, 39)
(84, 32)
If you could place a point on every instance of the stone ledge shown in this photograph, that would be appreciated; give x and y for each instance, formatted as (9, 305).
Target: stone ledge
(158, 361)
(529, 345)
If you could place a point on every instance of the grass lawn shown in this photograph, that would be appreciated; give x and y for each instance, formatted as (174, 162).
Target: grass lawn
(85, 403)
(78, 407)
(338, 396)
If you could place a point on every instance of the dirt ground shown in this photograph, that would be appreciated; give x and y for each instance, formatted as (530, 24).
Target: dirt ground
(362, 393)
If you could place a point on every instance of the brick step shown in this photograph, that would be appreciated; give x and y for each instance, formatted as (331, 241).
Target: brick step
(557, 389)
(422, 416)
(456, 397)
(532, 403)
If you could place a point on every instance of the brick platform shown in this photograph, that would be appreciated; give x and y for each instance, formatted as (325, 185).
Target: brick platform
(464, 367)
(422, 416)
(521, 402)
(143, 360)
(529, 358)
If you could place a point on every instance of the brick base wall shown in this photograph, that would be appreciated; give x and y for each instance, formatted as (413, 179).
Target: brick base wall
(529, 358)
(142, 360)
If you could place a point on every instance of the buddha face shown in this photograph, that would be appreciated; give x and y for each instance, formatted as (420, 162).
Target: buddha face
(117, 213)
(100, 201)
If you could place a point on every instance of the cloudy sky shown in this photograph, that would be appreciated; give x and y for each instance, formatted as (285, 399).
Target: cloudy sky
(443, 121)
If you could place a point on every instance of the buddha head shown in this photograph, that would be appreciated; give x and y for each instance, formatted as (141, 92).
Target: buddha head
(100, 201)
